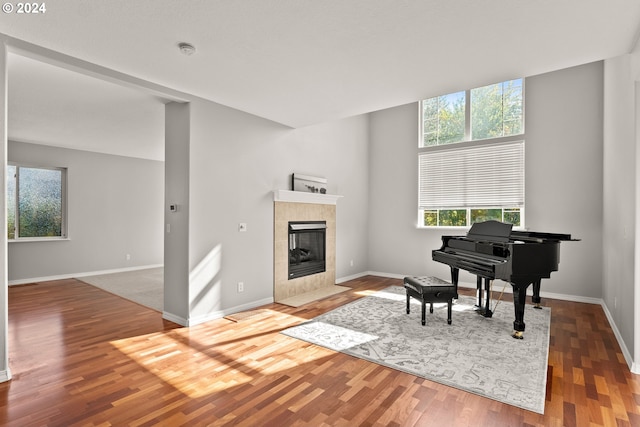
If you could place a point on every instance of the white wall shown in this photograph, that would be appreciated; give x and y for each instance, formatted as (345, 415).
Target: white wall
(115, 208)
(236, 161)
(563, 183)
(620, 186)
(564, 172)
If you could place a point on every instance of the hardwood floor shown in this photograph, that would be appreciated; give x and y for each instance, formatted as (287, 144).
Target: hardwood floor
(83, 357)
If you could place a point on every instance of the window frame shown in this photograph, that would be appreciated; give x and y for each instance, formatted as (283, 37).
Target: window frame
(467, 142)
(64, 235)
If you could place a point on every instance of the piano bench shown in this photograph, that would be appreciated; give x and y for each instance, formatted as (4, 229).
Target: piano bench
(429, 289)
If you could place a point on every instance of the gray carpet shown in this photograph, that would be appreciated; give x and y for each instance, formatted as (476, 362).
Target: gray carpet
(474, 353)
(146, 287)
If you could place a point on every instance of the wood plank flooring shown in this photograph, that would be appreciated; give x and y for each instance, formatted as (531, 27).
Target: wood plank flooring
(83, 357)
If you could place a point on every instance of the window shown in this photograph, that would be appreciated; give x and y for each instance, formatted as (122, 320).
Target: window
(471, 157)
(36, 205)
(444, 119)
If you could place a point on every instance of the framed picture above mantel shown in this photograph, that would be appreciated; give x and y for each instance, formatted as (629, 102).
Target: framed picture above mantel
(308, 183)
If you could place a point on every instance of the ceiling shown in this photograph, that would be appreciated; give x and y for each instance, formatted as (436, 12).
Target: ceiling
(53, 106)
(296, 62)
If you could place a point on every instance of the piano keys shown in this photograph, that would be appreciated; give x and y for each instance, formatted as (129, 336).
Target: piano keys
(492, 250)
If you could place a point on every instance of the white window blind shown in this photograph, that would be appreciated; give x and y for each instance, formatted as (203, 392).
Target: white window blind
(480, 176)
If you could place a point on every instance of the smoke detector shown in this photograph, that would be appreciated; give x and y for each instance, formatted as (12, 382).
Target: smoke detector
(186, 48)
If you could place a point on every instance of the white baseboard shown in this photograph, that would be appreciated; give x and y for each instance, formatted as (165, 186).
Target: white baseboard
(628, 357)
(216, 314)
(5, 376)
(352, 277)
(389, 275)
(498, 287)
(78, 275)
(175, 319)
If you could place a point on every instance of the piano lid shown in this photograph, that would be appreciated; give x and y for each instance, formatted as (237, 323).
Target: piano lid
(494, 231)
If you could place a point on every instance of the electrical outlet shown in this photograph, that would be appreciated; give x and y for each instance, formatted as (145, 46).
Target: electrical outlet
(240, 286)
(242, 226)
(128, 257)
(351, 263)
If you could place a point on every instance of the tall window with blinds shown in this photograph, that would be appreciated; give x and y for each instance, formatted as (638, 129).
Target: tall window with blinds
(477, 175)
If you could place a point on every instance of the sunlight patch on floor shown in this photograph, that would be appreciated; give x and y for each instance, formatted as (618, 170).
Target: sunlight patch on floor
(215, 363)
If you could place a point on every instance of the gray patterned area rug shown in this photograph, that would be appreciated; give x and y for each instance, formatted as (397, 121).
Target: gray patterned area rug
(474, 353)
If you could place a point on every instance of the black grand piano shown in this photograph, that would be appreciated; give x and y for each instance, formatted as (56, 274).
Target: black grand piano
(492, 250)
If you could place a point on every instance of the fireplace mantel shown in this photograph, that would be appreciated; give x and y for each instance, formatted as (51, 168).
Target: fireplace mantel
(304, 197)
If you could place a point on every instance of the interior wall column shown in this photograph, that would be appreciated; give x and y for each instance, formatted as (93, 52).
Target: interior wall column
(5, 372)
(635, 367)
(176, 240)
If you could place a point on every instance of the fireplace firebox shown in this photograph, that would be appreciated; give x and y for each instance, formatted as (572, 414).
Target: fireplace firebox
(307, 241)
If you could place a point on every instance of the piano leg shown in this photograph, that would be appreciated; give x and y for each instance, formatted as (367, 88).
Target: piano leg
(519, 298)
(454, 278)
(486, 312)
(479, 292)
(536, 294)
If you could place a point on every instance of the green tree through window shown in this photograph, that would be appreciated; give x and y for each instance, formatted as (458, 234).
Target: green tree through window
(496, 110)
(444, 119)
(35, 202)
